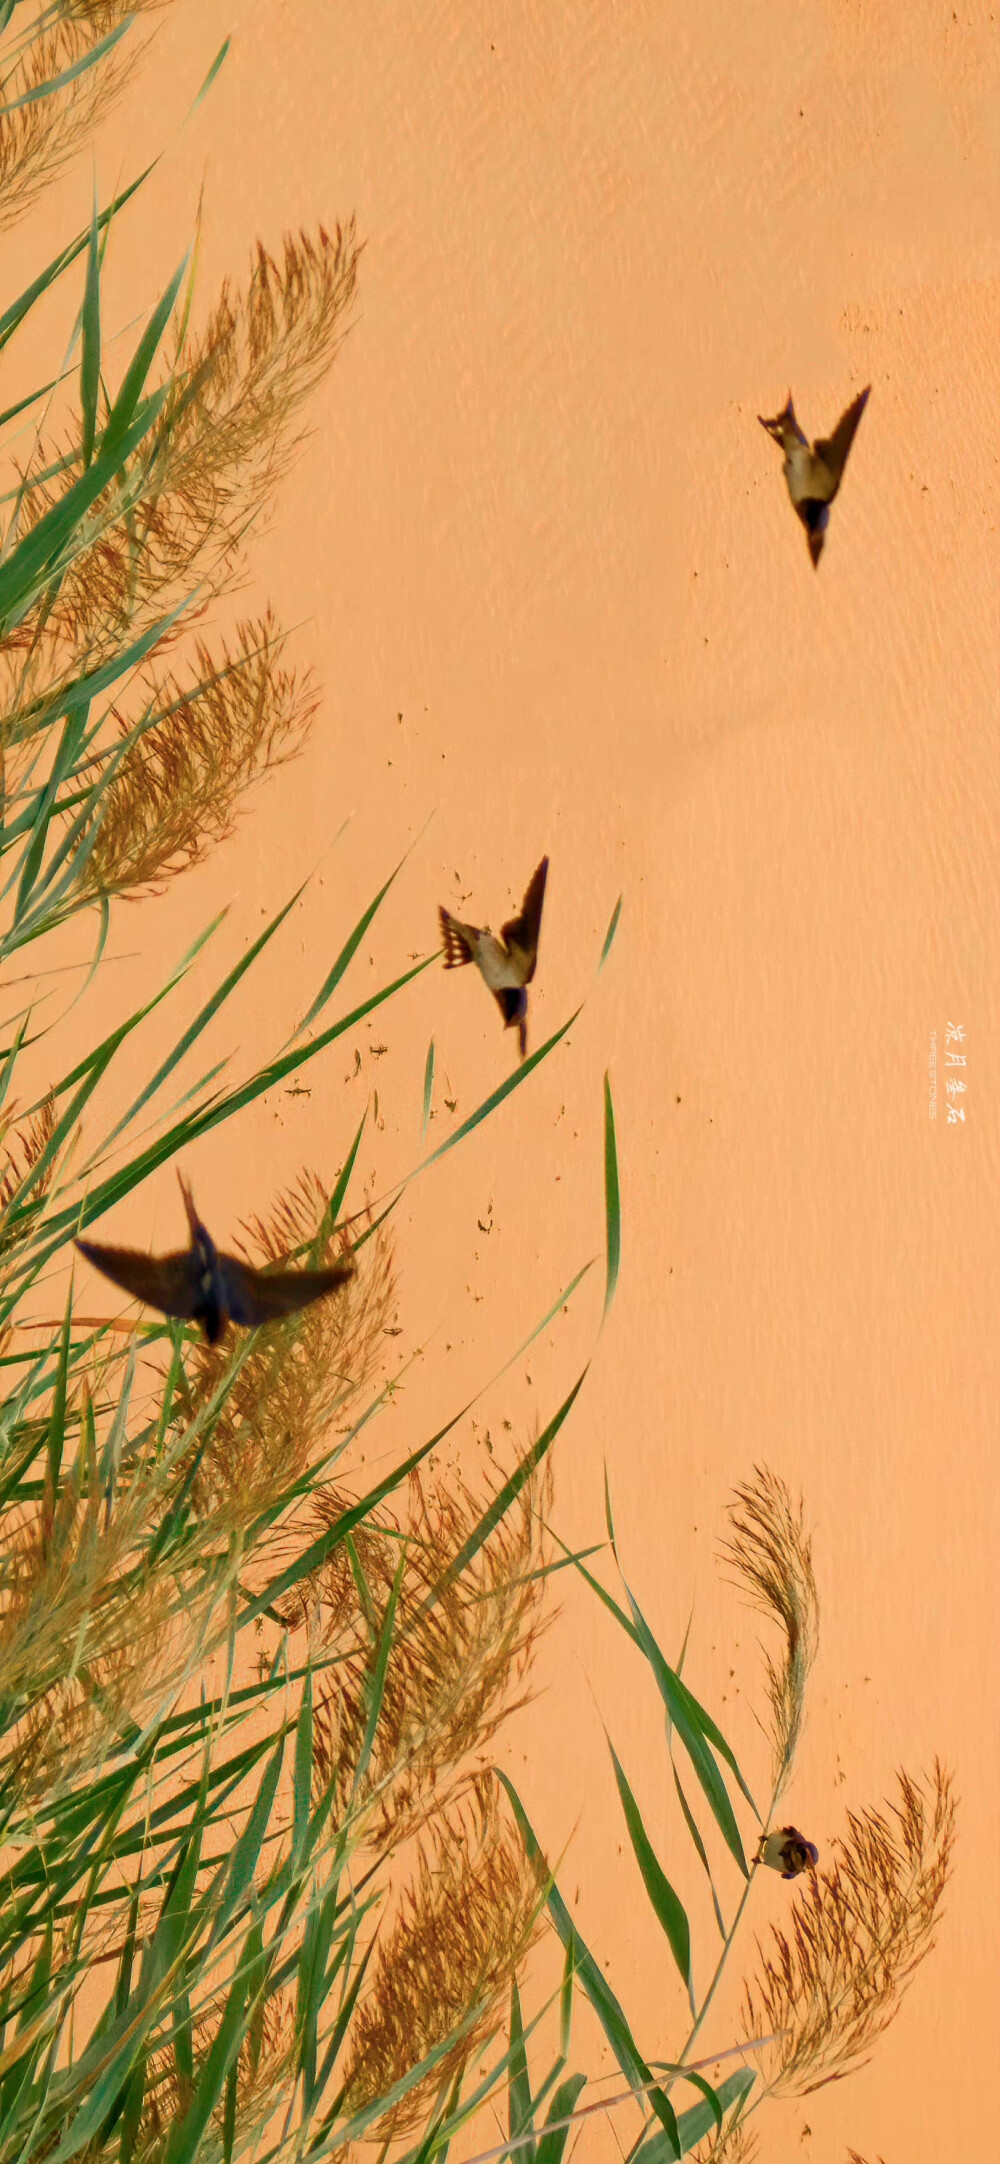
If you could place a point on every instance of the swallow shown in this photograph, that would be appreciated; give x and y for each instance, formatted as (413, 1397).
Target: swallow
(507, 964)
(201, 1285)
(786, 1850)
(814, 471)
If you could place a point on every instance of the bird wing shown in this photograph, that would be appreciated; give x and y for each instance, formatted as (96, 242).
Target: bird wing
(521, 934)
(830, 452)
(257, 1296)
(460, 940)
(170, 1282)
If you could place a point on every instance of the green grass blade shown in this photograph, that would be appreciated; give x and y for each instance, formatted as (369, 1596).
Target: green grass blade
(712, 1732)
(667, 1908)
(205, 1015)
(245, 1855)
(692, 1827)
(679, 1703)
(90, 359)
(121, 417)
(497, 1096)
(520, 2109)
(186, 2136)
(610, 2013)
(31, 564)
(505, 1497)
(346, 955)
(428, 1089)
(563, 2105)
(379, 1672)
(338, 1197)
(210, 77)
(694, 2125)
(303, 1772)
(612, 1198)
(14, 315)
(609, 936)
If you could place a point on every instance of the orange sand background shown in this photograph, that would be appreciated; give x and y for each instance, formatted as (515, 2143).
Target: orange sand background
(559, 601)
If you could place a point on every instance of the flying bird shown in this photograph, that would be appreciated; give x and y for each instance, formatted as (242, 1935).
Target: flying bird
(786, 1850)
(201, 1285)
(506, 964)
(814, 471)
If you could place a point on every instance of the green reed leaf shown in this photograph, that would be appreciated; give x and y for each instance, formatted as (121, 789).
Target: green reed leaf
(428, 1089)
(609, 936)
(612, 1198)
(555, 2135)
(520, 2110)
(13, 316)
(90, 362)
(667, 1908)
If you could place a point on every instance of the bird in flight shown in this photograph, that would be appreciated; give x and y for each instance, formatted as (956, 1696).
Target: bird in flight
(201, 1285)
(814, 471)
(786, 1850)
(506, 964)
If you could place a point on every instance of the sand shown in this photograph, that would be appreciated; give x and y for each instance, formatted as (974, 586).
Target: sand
(544, 563)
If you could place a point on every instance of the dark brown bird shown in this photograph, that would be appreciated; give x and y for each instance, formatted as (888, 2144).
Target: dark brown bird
(506, 964)
(814, 471)
(786, 1850)
(201, 1285)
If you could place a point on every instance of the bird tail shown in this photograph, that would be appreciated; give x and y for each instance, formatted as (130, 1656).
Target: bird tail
(522, 1038)
(457, 948)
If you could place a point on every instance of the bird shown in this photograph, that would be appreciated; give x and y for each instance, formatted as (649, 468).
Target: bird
(201, 1285)
(786, 1850)
(814, 471)
(506, 964)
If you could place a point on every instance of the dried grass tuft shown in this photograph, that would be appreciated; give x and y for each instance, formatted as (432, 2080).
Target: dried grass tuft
(770, 1556)
(462, 1927)
(176, 792)
(834, 1981)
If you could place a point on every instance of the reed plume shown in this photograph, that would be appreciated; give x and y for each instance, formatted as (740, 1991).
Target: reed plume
(176, 792)
(833, 1982)
(463, 1926)
(298, 1374)
(770, 1557)
(23, 1151)
(460, 1651)
(179, 510)
(41, 129)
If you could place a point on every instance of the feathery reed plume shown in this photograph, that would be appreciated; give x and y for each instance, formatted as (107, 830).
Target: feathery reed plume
(176, 791)
(771, 1557)
(834, 1981)
(462, 1927)
(41, 129)
(22, 1149)
(179, 510)
(737, 2144)
(453, 1663)
(298, 1373)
